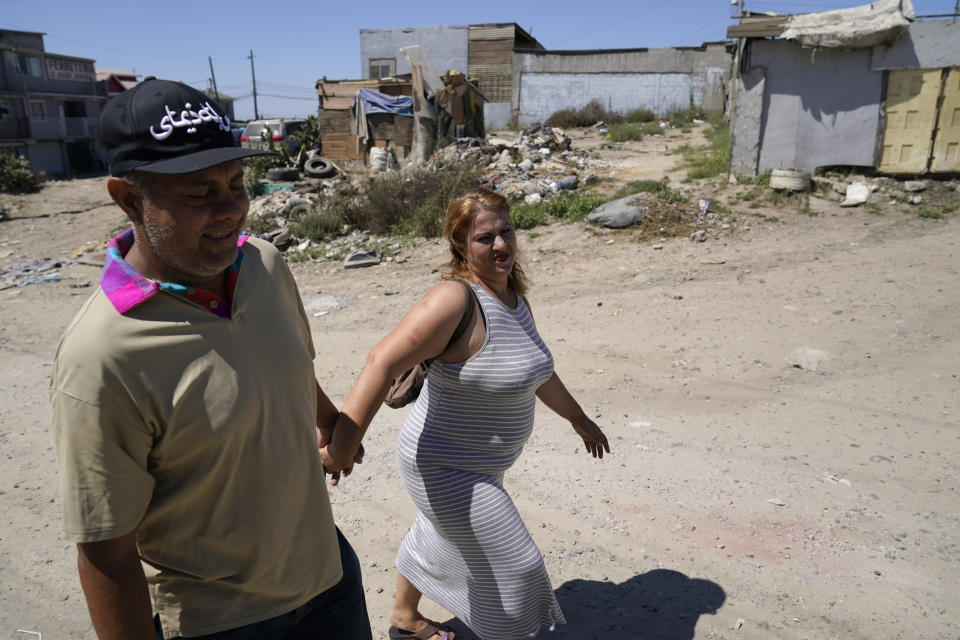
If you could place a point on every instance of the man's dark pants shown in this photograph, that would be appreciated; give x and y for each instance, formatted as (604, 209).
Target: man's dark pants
(340, 612)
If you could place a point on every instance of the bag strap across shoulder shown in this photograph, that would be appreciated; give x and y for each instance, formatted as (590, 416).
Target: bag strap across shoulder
(467, 314)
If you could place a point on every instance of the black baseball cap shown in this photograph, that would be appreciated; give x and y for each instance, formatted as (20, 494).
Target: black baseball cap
(162, 126)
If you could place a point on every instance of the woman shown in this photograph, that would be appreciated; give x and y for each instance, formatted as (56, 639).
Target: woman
(468, 549)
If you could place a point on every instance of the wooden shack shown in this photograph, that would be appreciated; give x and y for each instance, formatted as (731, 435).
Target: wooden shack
(338, 125)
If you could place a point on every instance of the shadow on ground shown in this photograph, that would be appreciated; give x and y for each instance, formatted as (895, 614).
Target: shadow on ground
(660, 604)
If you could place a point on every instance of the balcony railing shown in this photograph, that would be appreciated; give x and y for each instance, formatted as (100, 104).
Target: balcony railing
(64, 128)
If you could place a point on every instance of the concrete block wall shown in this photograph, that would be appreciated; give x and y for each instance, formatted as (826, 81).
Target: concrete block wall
(658, 79)
(541, 94)
(445, 47)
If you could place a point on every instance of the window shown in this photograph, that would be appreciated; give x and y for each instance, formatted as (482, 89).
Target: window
(382, 68)
(38, 110)
(30, 65)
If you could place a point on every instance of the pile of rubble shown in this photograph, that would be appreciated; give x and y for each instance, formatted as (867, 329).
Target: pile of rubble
(534, 165)
(853, 190)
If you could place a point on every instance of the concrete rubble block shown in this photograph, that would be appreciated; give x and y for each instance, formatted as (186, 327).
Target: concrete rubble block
(700, 235)
(358, 259)
(526, 166)
(913, 186)
(619, 214)
(857, 194)
(531, 186)
(917, 199)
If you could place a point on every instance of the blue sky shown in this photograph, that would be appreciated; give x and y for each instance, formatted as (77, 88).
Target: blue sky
(294, 43)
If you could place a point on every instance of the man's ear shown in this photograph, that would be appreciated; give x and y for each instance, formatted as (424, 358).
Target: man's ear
(127, 197)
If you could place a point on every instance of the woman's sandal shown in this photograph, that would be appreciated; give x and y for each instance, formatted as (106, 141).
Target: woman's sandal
(432, 629)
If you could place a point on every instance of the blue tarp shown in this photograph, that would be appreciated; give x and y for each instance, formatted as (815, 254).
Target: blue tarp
(376, 102)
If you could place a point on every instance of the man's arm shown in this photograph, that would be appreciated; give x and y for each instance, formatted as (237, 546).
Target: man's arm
(116, 590)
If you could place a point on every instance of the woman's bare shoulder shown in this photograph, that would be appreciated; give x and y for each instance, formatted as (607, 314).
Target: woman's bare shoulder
(446, 297)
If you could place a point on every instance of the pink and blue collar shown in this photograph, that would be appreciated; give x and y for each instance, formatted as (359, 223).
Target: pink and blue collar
(125, 287)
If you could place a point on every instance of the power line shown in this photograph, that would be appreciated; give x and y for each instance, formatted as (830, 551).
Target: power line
(704, 28)
(272, 95)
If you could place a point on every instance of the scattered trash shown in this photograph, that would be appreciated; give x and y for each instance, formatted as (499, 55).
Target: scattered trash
(358, 259)
(777, 501)
(641, 423)
(21, 274)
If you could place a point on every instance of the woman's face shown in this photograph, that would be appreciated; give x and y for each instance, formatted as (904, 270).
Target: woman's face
(491, 245)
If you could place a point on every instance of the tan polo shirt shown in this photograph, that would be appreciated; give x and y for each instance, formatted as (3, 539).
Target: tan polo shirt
(199, 432)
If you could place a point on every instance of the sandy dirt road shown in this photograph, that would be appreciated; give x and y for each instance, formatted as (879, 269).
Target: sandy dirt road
(744, 498)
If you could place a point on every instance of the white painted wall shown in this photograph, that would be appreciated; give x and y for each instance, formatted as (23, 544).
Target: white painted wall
(541, 94)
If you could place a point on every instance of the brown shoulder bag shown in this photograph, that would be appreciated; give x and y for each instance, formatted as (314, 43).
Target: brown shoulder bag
(406, 388)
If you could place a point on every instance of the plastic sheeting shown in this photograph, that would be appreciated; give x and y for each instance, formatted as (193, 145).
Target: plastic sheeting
(376, 102)
(856, 28)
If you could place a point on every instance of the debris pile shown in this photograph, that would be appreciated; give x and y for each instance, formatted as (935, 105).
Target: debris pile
(852, 190)
(534, 165)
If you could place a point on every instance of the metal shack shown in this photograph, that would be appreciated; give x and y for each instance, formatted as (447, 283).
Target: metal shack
(873, 86)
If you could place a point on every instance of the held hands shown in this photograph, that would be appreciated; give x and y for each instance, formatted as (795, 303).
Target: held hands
(330, 464)
(593, 438)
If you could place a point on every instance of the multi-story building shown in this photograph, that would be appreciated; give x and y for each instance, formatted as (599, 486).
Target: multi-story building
(49, 106)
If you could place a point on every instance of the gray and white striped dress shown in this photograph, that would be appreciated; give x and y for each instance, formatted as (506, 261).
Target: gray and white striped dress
(468, 550)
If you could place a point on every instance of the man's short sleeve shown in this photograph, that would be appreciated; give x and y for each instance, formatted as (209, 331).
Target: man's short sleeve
(102, 456)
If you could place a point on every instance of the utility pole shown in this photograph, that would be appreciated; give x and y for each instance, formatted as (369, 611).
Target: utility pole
(739, 8)
(256, 114)
(213, 79)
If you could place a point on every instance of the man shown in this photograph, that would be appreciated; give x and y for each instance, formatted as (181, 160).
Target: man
(186, 412)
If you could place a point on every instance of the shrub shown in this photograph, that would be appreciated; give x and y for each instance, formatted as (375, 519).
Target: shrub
(678, 118)
(528, 216)
(16, 175)
(633, 131)
(307, 136)
(640, 115)
(255, 170)
(318, 225)
(586, 116)
(572, 206)
(414, 201)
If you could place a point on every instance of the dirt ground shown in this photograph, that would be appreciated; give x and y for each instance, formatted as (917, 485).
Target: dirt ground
(744, 498)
